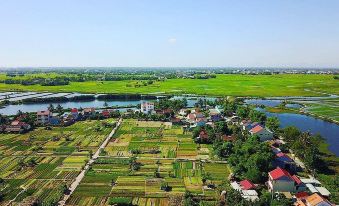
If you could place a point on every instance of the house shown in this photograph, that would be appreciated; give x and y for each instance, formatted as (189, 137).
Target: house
(43, 117)
(282, 181)
(176, 120)
(167, 112)
(313, 200)
(55, 119)
(182, 112)
(263, 133)
(215, 115)
(250, 194)
(319, 190)
(203, 135)
(17, 127)
(88, 112)
(105, 113)
(201, 122)
(285, 162)
(147, 107)
(233, 120)
(246, 185)
(75, 113)
(247, 125)
(191, 118)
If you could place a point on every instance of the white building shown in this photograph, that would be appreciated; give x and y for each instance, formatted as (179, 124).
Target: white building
(43, 117)
(147, 107)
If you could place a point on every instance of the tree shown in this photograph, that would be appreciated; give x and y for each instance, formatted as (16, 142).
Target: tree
(19, 113)
(273, 123)
(234, 198)
(205, 177)
(290, 133)
(105, 104)
(221, 128)
(51, 107)
(190, 200)
(59, 108)
(257, 116)
(243, 112)
(223, 150)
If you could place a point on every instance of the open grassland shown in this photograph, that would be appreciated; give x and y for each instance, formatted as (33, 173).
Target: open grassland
(40, 163)
(232, 84)
(166, 156)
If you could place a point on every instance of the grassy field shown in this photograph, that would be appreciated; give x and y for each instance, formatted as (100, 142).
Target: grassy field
(236, 85)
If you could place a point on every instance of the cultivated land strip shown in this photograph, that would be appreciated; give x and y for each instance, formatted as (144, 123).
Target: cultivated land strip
(78, 179)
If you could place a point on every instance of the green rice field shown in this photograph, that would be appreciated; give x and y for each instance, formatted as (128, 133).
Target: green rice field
(223, 84)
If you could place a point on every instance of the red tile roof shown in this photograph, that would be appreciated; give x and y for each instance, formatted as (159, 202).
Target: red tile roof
(247, 185)
(296, 179)
(203, 134)
(256, 129)
(278, 173)
(105, 113)
(74, 110)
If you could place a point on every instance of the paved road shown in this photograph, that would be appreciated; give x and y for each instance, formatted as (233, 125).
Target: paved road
(78, 179)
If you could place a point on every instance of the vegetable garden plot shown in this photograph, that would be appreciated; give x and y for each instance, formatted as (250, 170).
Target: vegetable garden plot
(217, 171)
(129, 186)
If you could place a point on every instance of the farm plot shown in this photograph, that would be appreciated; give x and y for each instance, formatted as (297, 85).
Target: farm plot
(42, 163)
(166, 163)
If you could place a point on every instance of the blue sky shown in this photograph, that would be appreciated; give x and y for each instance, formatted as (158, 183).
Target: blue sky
(213, 33)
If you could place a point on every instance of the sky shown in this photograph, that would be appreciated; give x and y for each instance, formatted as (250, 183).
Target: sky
(169, 33)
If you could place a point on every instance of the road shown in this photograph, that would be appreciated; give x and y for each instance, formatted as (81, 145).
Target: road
(78, 179)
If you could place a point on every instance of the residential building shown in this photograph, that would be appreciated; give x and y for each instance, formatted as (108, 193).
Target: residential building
(203, 135)
(88, 112)
(147, 107)
(263, 133)
(247, 185)
(215, 115)
(43, 117)
(55, 119)
(17, 127)
(313, 200)
(105, 113)
(75, 113)
(284, 161)
(281, 180)
(250, 195)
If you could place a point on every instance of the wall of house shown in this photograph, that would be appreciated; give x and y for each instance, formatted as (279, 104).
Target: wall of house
(283, 186)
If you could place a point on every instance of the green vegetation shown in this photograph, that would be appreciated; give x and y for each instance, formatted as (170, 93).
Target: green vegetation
(235, 85)
(149, 163)
(41, 163)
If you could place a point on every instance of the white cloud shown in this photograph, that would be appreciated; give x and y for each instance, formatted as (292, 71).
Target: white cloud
(172, 40)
